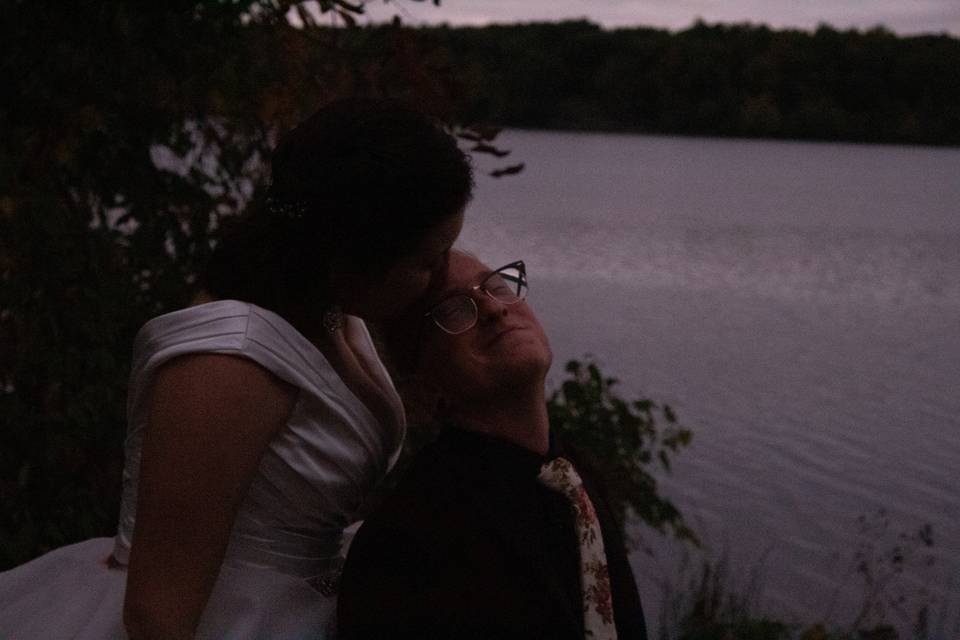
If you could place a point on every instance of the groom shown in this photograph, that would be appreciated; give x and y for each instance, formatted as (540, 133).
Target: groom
(478, 540)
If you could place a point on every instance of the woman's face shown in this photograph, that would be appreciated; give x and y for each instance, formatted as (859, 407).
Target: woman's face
(381, 296)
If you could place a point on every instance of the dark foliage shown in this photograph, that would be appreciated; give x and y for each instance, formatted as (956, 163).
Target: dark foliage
(727, 80)
(627, 441)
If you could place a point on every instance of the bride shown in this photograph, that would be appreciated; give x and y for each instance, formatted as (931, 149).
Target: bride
(260, 417)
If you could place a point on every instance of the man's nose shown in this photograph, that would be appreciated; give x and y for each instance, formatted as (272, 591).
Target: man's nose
(489, 309)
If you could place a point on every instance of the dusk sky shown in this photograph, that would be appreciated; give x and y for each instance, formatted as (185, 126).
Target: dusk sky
(901, 16)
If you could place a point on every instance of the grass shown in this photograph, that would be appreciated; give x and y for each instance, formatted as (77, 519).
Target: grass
(707, 602)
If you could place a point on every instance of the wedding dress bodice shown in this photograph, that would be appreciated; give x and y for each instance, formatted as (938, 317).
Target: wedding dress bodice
(314, 474)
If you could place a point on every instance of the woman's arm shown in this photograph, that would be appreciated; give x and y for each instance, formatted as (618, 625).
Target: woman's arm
(211, 419)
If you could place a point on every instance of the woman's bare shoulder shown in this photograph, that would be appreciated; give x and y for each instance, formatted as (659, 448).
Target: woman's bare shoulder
(220, 379)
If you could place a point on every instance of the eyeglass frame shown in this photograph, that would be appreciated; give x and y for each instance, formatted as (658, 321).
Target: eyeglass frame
(468, 294)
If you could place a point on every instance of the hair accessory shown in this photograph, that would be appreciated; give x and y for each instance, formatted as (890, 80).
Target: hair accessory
(286, 209)
(332, 320)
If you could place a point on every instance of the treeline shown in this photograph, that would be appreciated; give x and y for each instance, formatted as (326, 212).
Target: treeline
(727, 80)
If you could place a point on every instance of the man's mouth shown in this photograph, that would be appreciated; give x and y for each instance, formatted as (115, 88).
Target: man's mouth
(501, 332)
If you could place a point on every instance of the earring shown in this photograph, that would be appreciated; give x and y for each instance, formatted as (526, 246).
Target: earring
(332, 319)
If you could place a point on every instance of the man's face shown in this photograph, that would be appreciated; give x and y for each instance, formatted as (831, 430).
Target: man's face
(506, 349)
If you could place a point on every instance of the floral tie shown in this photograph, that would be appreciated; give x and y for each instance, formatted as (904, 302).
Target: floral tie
(559, 474)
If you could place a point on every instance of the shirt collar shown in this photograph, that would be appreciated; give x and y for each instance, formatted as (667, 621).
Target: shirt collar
(495, 454)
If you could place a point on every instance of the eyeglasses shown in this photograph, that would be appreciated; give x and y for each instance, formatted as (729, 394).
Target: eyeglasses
(459, 313)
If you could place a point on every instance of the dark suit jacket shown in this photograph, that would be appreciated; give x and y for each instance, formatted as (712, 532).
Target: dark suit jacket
(453, 553)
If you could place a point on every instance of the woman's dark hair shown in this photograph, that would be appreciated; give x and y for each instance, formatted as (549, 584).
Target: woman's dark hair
(359, 183)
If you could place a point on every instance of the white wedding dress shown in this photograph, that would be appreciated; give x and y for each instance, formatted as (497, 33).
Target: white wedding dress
(286, 541)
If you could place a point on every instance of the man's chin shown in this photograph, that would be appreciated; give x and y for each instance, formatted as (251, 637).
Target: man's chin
(523, 371)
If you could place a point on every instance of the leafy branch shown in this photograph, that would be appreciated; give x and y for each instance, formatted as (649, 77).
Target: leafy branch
(628, 441)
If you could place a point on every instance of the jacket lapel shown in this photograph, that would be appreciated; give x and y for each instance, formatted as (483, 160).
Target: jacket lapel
(499, 512)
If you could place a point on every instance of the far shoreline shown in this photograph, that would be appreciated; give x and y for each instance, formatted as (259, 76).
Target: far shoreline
(728, 138)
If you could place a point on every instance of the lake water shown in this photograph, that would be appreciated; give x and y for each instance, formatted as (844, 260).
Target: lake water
(799, 306)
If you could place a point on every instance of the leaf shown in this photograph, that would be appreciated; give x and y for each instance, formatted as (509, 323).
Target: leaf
(347, 18)
(508, 171)
(669, 414)
(349, 7)
(486, 132)
(664, 460)
(482, 147)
